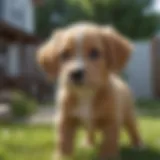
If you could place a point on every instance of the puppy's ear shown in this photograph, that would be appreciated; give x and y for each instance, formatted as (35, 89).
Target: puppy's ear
(117, 48)
(47, 56)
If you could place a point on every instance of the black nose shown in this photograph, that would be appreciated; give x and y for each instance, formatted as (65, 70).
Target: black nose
(77, 75)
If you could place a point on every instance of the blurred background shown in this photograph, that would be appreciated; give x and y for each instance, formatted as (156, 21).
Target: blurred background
(26, 96)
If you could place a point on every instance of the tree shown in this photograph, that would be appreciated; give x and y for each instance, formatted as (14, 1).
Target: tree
(129, 17)
(44, 16)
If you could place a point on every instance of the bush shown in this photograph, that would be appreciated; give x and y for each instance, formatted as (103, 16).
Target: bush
(152, 104)
(23, 105)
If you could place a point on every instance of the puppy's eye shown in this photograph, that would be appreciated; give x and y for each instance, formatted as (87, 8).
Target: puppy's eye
(65, 56)
(94, 54)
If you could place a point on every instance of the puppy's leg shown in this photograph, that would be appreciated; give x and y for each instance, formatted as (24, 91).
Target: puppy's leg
(66, 134)
(110, 143)
(132, 129)
(89, 140)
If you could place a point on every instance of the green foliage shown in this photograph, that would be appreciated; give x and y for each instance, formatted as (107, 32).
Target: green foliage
(44, 15)
(147, 104)
(22, 105)
(129, 17)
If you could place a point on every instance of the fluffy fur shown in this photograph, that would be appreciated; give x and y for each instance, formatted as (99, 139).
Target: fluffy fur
(103, 101)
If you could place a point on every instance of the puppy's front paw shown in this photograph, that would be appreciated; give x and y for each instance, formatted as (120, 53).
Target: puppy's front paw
(87, 144)
(58, 156)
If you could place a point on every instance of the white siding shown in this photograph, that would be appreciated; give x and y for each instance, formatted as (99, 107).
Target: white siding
(13, 67)
(19, 13)
(139, 70)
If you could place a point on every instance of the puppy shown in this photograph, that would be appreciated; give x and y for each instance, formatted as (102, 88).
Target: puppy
(86, 58)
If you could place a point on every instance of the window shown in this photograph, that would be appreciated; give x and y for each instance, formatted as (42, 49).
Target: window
(13, 68)
(3, 51)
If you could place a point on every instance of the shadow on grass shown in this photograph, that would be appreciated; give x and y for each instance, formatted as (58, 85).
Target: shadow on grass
(146, 154)
(126, 154)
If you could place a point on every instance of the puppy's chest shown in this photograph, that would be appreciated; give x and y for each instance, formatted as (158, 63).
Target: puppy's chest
(83, 110)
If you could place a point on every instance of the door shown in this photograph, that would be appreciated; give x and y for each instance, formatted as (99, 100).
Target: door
(156, 66)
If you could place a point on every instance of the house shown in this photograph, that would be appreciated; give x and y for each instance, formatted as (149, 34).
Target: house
(18, 68)
(143, 69)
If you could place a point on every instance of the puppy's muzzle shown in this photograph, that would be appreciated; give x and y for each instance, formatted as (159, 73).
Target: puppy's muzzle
(77, 76)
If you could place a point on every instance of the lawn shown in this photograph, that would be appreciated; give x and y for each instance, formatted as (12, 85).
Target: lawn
(24, 142)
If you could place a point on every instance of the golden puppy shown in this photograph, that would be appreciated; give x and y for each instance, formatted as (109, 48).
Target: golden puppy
(86, 59)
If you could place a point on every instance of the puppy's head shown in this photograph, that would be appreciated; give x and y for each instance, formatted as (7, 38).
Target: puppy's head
(83, 55)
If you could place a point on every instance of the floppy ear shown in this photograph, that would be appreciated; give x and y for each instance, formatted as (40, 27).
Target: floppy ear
(47, 56)
(117, 48)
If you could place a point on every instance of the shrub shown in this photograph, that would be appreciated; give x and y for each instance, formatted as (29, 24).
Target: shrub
(22, 105)
(148, 104)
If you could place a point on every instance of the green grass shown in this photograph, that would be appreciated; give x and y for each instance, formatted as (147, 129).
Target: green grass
(19, 142)
(24, 142)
